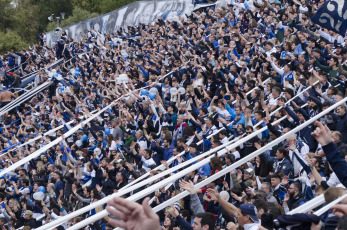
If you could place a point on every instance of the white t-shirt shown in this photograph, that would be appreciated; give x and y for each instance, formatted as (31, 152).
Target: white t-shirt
(113, 146)
(147, 162)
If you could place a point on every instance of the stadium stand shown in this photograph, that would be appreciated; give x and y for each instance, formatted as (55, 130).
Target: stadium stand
(229, 117)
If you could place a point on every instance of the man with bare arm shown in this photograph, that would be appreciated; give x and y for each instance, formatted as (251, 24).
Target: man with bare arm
(5, 97)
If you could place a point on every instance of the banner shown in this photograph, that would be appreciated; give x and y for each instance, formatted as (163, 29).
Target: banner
(141, 12)
(333, 16)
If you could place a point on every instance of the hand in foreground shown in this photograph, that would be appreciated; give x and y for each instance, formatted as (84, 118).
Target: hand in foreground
(339, 210)
(214, 194)
(131, 215)
(189, 186)
(322, 134)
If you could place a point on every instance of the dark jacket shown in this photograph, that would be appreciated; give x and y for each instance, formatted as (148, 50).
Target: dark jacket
(107, 186)
(337, 162)
(305, 133)
(296, 201)
(341, 126)
(342, 147)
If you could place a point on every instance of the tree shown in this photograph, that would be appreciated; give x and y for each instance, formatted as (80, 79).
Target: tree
(49, 7)
(6, 10)
(89, 5)
(22, 20)
(25, 22)
(78, 15)
(11, 40)
(109, 5)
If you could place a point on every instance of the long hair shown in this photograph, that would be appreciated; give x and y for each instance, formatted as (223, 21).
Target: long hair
(285, 154)
(215, 163)
(110, 138)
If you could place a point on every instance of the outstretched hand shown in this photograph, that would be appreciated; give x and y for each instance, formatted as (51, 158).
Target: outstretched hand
(214, 194)
(339, 210)
(322, 134)
(131, 215)
(189, 186)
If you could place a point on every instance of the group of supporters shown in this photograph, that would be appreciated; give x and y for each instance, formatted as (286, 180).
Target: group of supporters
(172, 87)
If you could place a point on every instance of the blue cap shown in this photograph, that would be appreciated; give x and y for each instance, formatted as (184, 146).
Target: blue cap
(250, 210)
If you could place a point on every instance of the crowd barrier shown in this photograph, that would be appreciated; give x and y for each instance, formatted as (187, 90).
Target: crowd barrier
(180, 174)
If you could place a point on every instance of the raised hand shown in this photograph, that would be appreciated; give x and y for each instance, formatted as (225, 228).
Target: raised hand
(131, 215)
(339, 210)
(214, 194)
(322, 134)
(189, 186)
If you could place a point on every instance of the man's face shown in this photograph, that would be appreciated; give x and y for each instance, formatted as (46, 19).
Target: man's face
(118, 177)
(331, 62)
(197, 224)
(208, 123)
(247, 176)
(291, 141)
(275, 93)
(241, 219)
(275, 182)
(248, 131)
(287, 95)
(264, 188)
(268, 47)
(301, 117)
(165, 143)
(192, 150)
(291, 191)
(340, 111)
(85, 192)
(257, 117)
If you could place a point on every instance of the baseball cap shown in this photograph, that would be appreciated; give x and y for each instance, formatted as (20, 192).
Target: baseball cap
(249, 171)
(250, 210)
(120, 161)
(128, 131)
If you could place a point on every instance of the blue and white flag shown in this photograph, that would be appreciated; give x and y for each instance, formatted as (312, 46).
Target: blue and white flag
(333, 16)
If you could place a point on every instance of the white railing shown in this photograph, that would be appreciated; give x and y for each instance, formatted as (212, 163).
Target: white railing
(180, 174)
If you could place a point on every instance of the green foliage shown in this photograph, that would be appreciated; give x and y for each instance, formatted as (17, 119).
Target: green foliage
(22, 20)
(100, 6)
(90, 5)
(9, 41)
(77, 16)
(25, 21)
(6, 10)
(49, 7)
(108, 6)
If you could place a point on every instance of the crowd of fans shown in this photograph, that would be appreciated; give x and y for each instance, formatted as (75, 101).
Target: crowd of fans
(180, 82)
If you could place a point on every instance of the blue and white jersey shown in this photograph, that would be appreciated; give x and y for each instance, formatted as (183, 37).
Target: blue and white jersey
(286, 77)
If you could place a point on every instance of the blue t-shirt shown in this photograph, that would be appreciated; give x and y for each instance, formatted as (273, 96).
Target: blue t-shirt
(57, 187)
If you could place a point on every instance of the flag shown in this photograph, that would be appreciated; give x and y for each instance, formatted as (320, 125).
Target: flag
(333, 16)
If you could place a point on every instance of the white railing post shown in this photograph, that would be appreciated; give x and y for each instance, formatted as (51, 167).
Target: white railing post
(160, 184)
